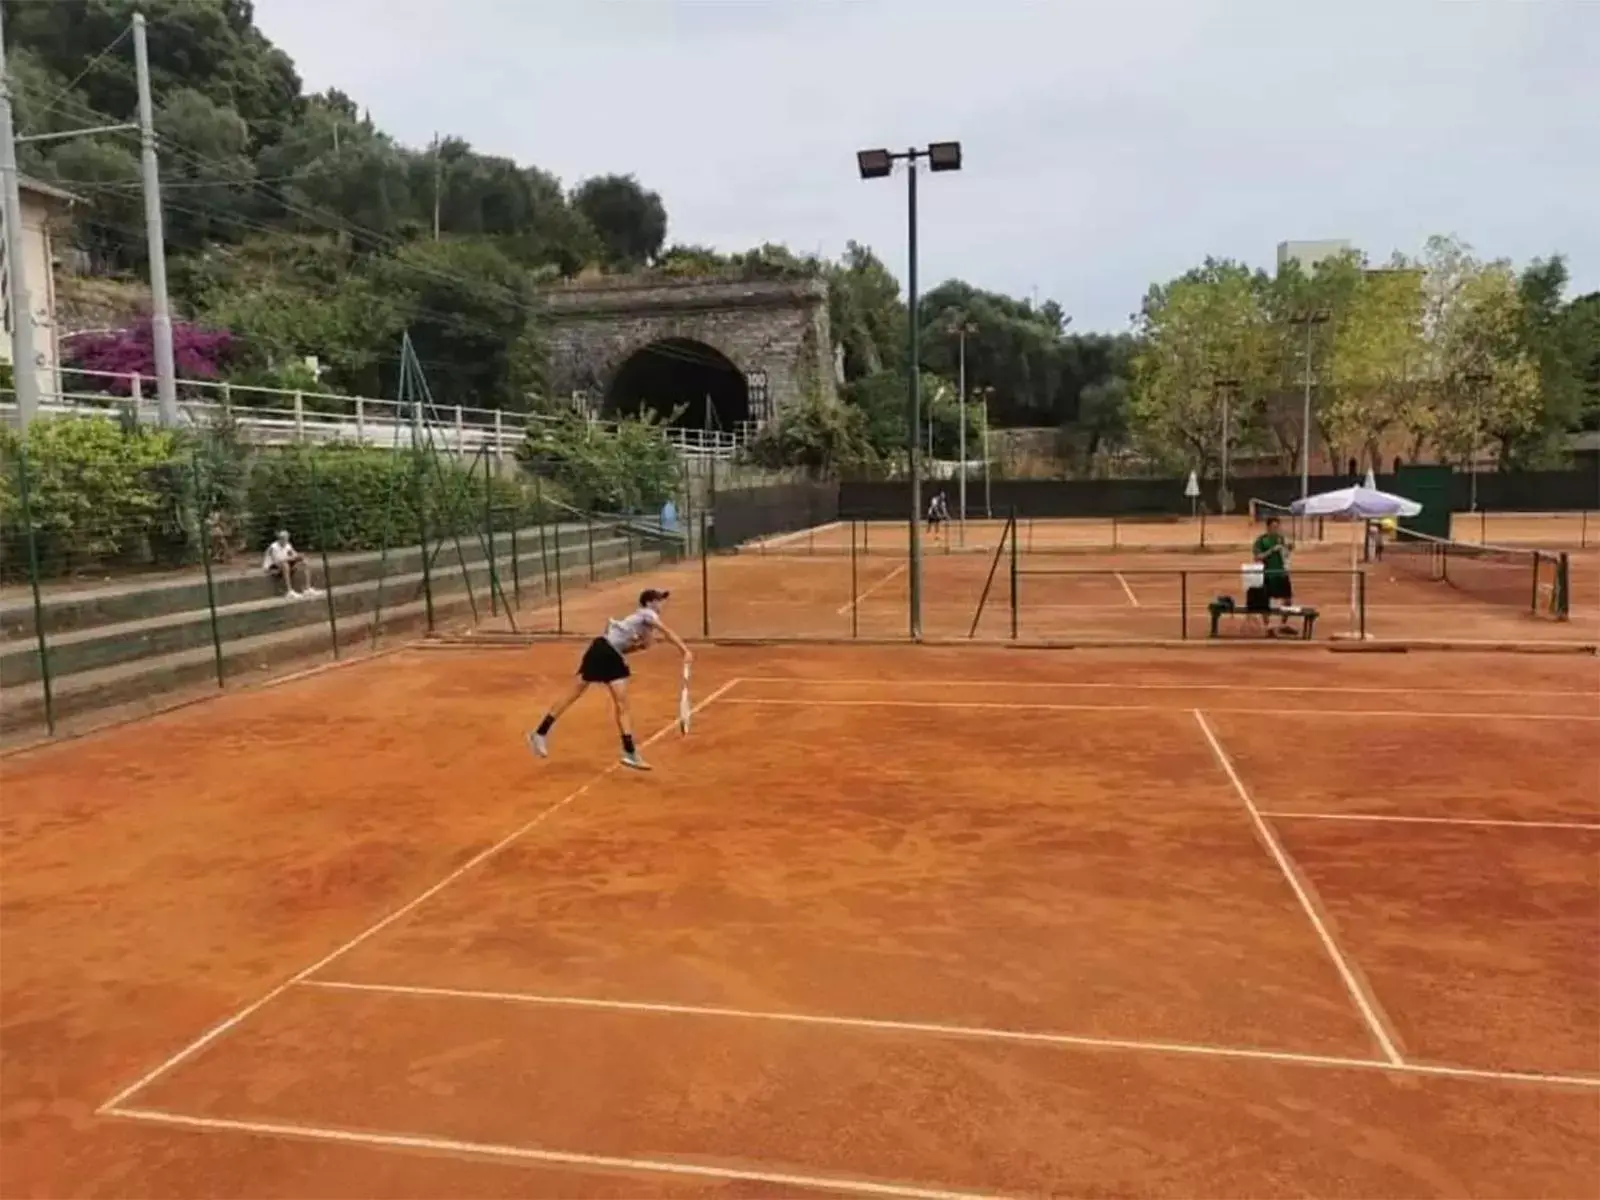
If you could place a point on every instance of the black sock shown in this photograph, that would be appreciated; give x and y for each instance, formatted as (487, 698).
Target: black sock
(627, 743)
(544, 725)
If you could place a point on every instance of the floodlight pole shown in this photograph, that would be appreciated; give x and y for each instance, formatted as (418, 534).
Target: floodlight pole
(875, 164)
(24, 355)
(1310, 320)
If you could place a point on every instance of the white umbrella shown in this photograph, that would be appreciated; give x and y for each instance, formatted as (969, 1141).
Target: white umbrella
(1360, 503)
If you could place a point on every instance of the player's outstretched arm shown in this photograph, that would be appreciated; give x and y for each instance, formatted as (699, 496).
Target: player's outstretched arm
(688, 655)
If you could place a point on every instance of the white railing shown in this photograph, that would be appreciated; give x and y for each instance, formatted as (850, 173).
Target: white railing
(280, 416)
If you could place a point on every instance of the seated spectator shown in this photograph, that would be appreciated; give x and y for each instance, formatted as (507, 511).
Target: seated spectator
(280, 561)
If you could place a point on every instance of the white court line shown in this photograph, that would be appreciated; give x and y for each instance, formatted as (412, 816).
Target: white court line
(1038, 706)
(1173, 687)
(1132, 599)
(1363, 1002)
(1488, 821)
(975, 1032)
(344, 948)
(786, 538)
(412, 1141)
(892, 575)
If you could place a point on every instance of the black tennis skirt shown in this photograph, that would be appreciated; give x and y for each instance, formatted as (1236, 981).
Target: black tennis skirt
(602, 663)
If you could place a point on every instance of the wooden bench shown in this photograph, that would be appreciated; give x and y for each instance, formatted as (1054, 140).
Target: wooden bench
(1298, 615)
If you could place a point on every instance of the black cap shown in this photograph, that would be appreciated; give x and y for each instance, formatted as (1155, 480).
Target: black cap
(651, 595)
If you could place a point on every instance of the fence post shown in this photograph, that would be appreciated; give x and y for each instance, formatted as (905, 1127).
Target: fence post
(1113, 533)
(227, 398)
(561, 616)
(361, 421)
(488, 520)
(516, 568)
(422, 533)
(1361, 605)
(1014, 568)
(589, 532)
(38, 600)
(1202, 529)
(855, 606)
(705, 581)
(205, 559)
(299, 417)
(322, 548)
(499, 435)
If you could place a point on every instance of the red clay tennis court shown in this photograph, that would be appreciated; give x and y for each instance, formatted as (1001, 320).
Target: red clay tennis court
(889, 922)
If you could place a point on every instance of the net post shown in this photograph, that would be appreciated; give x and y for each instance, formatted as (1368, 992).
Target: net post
(705, 581)
(1563, 596)
(855, 606)
(205, 562)
(1361, 605)
(1533, 606)
(1202, 531)
(38, 599)
(322, 550)
(1483, 526)
(1583, 529)
(1183, 604)
(1014, 570)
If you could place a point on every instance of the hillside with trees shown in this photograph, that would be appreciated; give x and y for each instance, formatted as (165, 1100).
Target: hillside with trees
(298, 228)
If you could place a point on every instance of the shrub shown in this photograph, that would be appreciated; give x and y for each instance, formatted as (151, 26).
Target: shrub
(362, 498)
(628, 466)
(95, 492)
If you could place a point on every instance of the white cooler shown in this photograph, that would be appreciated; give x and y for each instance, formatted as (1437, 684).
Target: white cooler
(1252, 575)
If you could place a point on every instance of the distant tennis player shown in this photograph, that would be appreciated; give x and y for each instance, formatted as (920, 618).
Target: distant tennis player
(938, 512)
(604, 662)
(1272, 551)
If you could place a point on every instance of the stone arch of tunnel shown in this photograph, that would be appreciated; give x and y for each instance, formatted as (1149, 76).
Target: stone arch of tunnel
(682, 373)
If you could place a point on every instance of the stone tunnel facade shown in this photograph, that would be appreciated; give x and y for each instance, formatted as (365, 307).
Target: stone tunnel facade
(774, 331)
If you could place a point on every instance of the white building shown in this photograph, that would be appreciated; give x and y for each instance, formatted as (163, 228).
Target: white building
(44, 210)
(1309, 254)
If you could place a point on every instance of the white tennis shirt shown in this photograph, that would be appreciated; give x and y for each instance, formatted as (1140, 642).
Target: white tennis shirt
(630, 632)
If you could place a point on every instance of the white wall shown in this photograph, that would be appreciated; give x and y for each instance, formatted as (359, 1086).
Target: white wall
(39, 265)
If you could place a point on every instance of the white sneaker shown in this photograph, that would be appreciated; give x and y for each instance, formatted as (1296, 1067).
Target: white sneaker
(292, 595)
(537, 743)
(634, 762)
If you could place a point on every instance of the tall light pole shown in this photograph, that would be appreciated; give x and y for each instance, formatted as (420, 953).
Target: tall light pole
(877, 164)
(1477, 380)
(961, 327)
(982, 394)
(1225, 389)
(1310, 319)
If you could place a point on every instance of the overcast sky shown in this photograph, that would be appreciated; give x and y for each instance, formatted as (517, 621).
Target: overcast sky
(1107, 145)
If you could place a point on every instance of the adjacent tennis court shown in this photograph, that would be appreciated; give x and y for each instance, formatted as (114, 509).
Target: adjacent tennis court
(888, 922)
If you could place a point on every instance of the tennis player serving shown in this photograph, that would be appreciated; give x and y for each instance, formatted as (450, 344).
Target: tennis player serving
(604, 662)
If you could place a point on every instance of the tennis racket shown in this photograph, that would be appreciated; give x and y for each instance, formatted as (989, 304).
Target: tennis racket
(685, 709)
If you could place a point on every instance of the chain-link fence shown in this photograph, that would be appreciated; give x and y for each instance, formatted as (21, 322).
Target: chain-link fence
(131, 574)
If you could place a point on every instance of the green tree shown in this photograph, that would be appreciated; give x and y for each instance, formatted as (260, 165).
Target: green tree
(630, 220)
(818, 435)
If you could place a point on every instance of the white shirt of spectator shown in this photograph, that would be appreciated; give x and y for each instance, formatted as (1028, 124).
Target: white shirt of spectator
(278, 555)
(631, 632)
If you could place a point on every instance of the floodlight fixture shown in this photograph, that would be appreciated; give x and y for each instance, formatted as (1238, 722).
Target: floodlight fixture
(874, 164)
(944, 156)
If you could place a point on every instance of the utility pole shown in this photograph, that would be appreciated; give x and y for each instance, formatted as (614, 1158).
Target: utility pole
(160, 310)
(24, 357)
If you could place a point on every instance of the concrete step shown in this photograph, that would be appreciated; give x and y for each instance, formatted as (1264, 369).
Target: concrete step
(22, 706)
(121, 601)
(100, 646)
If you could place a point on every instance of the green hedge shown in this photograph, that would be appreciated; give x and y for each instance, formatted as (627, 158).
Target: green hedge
(338, 498)
(104, 496)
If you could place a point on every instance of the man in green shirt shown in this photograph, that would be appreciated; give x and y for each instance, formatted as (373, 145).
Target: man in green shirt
(1271, 550)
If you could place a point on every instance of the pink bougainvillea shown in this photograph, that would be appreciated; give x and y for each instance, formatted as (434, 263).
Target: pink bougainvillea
(197, 354)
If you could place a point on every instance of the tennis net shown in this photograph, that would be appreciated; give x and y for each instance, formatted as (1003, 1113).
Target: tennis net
(1533, 581)
(1301, 529)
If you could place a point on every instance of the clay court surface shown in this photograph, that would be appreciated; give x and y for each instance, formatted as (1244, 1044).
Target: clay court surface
(888, 922)
(809, 585)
